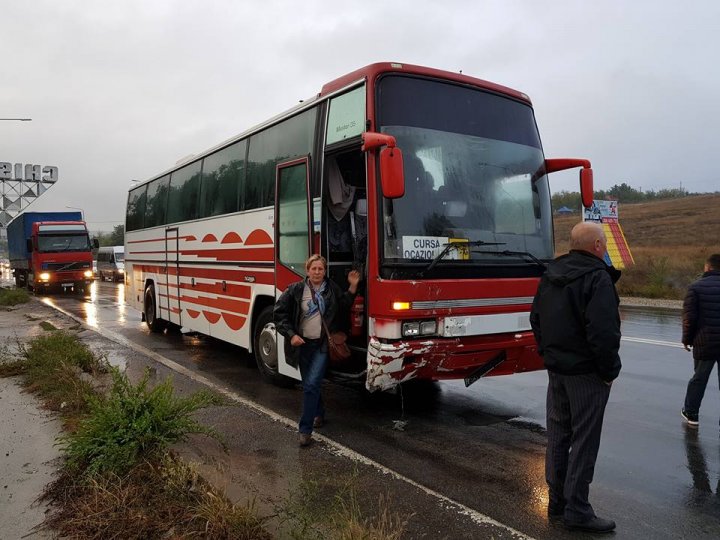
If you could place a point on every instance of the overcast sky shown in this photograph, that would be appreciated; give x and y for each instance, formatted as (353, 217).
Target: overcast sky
(122, 90)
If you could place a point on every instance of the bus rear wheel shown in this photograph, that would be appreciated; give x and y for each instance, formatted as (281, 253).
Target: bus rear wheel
(154, 323)
(265, 349)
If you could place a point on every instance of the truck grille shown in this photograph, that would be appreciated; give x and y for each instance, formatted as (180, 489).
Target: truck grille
(65, 266)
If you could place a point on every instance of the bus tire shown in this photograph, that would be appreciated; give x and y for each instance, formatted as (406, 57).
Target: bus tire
(155, 324)
(265, 349)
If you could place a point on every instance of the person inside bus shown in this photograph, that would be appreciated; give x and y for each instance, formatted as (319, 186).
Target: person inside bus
(413, 209)
(299, 314)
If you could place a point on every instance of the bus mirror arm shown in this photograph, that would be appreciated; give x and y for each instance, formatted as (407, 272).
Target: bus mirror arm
(372, 140)
(392, 178)
(586, 175)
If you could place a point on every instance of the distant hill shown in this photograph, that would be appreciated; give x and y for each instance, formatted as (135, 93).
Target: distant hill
(692, 220)
(669, 240)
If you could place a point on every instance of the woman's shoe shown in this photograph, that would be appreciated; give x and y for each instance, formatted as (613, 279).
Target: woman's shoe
(318, 422)
(305, 439)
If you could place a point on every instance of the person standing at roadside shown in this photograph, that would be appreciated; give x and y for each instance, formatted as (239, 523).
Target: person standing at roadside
(298, 315)
(701, 334)
(576, 323)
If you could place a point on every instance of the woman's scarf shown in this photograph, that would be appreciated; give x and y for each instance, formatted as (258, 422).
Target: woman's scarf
(317, 294)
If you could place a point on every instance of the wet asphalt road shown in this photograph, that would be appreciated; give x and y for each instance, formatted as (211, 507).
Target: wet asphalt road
(484, 446)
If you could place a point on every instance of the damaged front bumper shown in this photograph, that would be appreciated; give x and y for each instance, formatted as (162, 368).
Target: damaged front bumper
(390, 363)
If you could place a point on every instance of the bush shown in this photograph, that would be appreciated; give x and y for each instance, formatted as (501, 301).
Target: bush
(133, 422)
(13, 297)
(51, 364)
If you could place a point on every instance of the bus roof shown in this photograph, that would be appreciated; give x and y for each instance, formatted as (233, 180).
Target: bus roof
(370, 73)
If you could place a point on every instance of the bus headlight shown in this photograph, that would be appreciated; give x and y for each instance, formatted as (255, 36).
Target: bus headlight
(419, 328)
(88, 273)
(44, 276)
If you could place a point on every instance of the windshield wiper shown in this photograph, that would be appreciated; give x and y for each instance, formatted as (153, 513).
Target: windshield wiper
(508, 253)
(454, 245)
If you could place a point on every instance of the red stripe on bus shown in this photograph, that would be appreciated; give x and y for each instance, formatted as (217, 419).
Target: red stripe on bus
(225, 304)
(260, 277)
(258, 237)
(188, 237)
(231, 238)
(193, 314)
(211, 317)
(234, 321)
(235, 291)
(235, 254)
(238, 307)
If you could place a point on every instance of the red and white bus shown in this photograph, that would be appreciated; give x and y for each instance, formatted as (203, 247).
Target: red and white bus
(433, 184)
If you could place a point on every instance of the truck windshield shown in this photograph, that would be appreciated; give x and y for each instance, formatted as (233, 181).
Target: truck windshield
(471, 159)
(53, 243)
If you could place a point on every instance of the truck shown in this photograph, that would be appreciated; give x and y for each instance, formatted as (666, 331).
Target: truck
(51, 250)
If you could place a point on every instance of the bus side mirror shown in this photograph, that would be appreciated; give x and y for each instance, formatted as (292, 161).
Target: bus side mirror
(586, 187)
(29, 245)
(392, 178)
(96, 243)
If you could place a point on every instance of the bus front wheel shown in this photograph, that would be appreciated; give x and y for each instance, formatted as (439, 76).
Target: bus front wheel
(154, 323)
(265, 349)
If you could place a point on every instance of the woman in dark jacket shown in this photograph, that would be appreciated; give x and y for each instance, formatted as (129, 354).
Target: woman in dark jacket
(298, 317)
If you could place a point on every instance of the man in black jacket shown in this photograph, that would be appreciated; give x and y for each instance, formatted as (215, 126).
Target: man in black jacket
(701, 333)
(576, 324)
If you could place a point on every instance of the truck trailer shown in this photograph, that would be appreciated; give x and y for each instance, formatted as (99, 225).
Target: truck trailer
(51, 250)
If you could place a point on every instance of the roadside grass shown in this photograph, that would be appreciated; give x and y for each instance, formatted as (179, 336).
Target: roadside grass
(13, 297)
(331, 508)
(165, 498)
(132, 423)
(51, 366)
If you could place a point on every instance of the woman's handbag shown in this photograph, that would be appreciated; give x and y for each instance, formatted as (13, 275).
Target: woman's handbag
(337, 346)
(338, 349)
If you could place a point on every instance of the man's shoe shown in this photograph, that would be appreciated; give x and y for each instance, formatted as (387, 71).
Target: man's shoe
(305, 439)
(691, 419)
(318, 422)
(594, 525)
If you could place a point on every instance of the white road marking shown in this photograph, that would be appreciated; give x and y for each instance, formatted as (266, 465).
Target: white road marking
(652, 342)
(334, 446)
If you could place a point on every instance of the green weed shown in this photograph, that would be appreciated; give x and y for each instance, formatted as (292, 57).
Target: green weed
(165, 498)
(13, 297)
(133, 422)
(51, 364)
(331, 509)
(47, 326)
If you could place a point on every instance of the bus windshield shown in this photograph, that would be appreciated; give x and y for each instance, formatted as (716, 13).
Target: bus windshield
(470, 160)
(53, 243)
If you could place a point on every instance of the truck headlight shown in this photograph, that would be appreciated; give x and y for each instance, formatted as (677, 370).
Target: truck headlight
(88, 273)
(45, 276)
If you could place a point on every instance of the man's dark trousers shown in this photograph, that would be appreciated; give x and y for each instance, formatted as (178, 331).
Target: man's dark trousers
(698, 384)
(575, 411)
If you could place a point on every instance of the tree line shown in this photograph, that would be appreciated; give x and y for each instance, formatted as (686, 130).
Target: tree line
(114, 238)
(619, 192)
